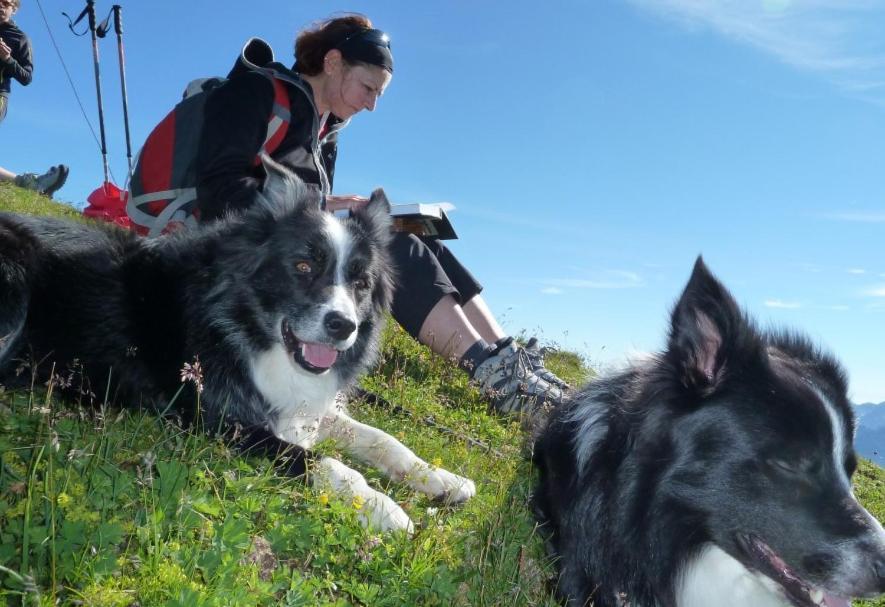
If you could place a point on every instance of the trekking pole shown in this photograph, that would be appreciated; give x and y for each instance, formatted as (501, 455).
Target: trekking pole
(117, 11)
(89, 11)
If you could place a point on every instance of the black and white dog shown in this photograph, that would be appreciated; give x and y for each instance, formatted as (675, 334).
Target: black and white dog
(282, 307)
(717, 473)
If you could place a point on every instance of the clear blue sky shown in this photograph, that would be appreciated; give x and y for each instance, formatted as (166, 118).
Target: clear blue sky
(593, 149)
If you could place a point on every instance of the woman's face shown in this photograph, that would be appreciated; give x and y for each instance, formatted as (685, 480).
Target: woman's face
(351, 89)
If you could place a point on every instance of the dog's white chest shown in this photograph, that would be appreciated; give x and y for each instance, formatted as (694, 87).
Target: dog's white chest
(716, 579)
(299, 398)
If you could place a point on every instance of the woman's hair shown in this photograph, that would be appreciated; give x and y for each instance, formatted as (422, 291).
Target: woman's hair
(16, 4)
(312, 44)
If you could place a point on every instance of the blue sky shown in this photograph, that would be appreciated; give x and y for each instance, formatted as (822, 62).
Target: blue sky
(593, 149)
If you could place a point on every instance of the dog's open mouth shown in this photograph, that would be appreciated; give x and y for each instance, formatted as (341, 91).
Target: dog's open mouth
(313, 357)
(797, 590)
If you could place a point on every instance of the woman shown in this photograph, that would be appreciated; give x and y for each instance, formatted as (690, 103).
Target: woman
(342, 67)
(16, 62)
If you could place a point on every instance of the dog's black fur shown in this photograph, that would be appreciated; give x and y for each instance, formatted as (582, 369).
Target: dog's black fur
(94, 302)
(732, 441)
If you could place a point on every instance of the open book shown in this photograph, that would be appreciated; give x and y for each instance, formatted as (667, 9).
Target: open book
(424, 219)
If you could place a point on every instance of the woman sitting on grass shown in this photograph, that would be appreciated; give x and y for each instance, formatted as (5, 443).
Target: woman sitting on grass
(342, 66)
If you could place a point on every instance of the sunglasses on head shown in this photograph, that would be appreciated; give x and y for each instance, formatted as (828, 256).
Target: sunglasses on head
(372, 35)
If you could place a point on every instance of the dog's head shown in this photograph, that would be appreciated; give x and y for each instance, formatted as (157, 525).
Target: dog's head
(763, 451)
(321, 283)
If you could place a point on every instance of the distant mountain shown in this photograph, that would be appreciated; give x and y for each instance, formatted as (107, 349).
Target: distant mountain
(870, 438)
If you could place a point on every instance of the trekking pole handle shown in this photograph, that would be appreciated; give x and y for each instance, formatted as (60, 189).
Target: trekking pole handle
(118, 19)
(90, 11)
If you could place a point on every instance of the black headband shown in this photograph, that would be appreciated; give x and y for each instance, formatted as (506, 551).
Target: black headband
(368, 46)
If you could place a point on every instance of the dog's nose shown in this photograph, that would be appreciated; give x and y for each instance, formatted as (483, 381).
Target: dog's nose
(338, 326)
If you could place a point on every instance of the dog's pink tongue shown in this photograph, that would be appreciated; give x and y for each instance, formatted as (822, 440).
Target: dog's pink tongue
(836, 601)
(319, 355)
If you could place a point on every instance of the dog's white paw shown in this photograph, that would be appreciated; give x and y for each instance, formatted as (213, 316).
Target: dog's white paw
(382, 513)
(442, 485)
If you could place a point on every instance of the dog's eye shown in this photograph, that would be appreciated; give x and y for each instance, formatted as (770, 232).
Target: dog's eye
(302, 267)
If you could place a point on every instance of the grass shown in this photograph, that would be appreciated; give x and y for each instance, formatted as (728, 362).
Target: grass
(112, 508)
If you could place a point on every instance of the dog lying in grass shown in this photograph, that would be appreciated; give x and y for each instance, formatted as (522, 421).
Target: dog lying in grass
(715, 474)
(271, 313)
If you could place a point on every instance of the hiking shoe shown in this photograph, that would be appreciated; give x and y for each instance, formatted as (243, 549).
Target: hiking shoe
(52, 180)
(536, 355)
(48, 183)
(508, 380)
(26, 180)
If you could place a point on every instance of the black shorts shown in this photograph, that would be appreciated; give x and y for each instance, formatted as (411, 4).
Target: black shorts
(427, 271)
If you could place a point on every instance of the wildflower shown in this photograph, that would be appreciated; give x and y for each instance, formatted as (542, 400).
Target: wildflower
(358, 502)
(63, 500)
(323, 498)
(436, 462)
(75, 454)
(193, 372)
(365, 551)
(60, 380)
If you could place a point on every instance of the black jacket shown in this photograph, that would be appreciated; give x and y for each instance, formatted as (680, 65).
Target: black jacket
(234, 128)
(21, 64)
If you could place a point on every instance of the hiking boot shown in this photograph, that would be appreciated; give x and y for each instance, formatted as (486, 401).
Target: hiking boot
(536, 355)
(508, 380)
(48, 183)
(52, 180)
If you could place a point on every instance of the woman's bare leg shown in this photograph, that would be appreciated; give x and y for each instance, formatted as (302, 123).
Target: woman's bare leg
(482, 319)
(447, 329)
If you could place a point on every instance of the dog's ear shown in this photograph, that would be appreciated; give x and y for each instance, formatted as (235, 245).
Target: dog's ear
(283, 191)
(707, 328)
(376, 214)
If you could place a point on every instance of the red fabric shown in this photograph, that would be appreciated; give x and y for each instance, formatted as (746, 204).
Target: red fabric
(157, 157)
(108, 203)
(281, 98)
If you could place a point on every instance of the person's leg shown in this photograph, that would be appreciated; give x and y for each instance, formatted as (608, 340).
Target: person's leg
(7, 175)
(427, 305)
(477, 312)
(47, 183)
(504, 352)
(447, 330)
(431, 285)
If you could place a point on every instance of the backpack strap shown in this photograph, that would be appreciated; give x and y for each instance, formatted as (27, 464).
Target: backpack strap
(280, 117)
(163, 188)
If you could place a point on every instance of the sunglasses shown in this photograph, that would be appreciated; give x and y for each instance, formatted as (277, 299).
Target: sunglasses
(373, 36)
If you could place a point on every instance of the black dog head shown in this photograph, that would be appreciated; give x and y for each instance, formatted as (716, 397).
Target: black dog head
(763, 454)
(315, 283)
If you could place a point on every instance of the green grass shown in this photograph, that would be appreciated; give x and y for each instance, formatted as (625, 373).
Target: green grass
(112, 508)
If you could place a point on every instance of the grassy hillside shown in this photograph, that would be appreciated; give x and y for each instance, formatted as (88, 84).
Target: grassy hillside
(122, 509)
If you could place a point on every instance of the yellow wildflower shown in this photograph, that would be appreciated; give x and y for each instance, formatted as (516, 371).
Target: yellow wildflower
(63, 500)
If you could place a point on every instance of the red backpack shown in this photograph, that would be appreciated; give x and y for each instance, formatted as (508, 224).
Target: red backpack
(162, 189)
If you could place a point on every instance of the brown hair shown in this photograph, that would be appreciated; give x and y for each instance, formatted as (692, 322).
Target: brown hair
(312, 44)
(16, 4)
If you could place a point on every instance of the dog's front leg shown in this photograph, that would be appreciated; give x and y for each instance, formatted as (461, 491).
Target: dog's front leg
(394, 459)
(376, 509)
